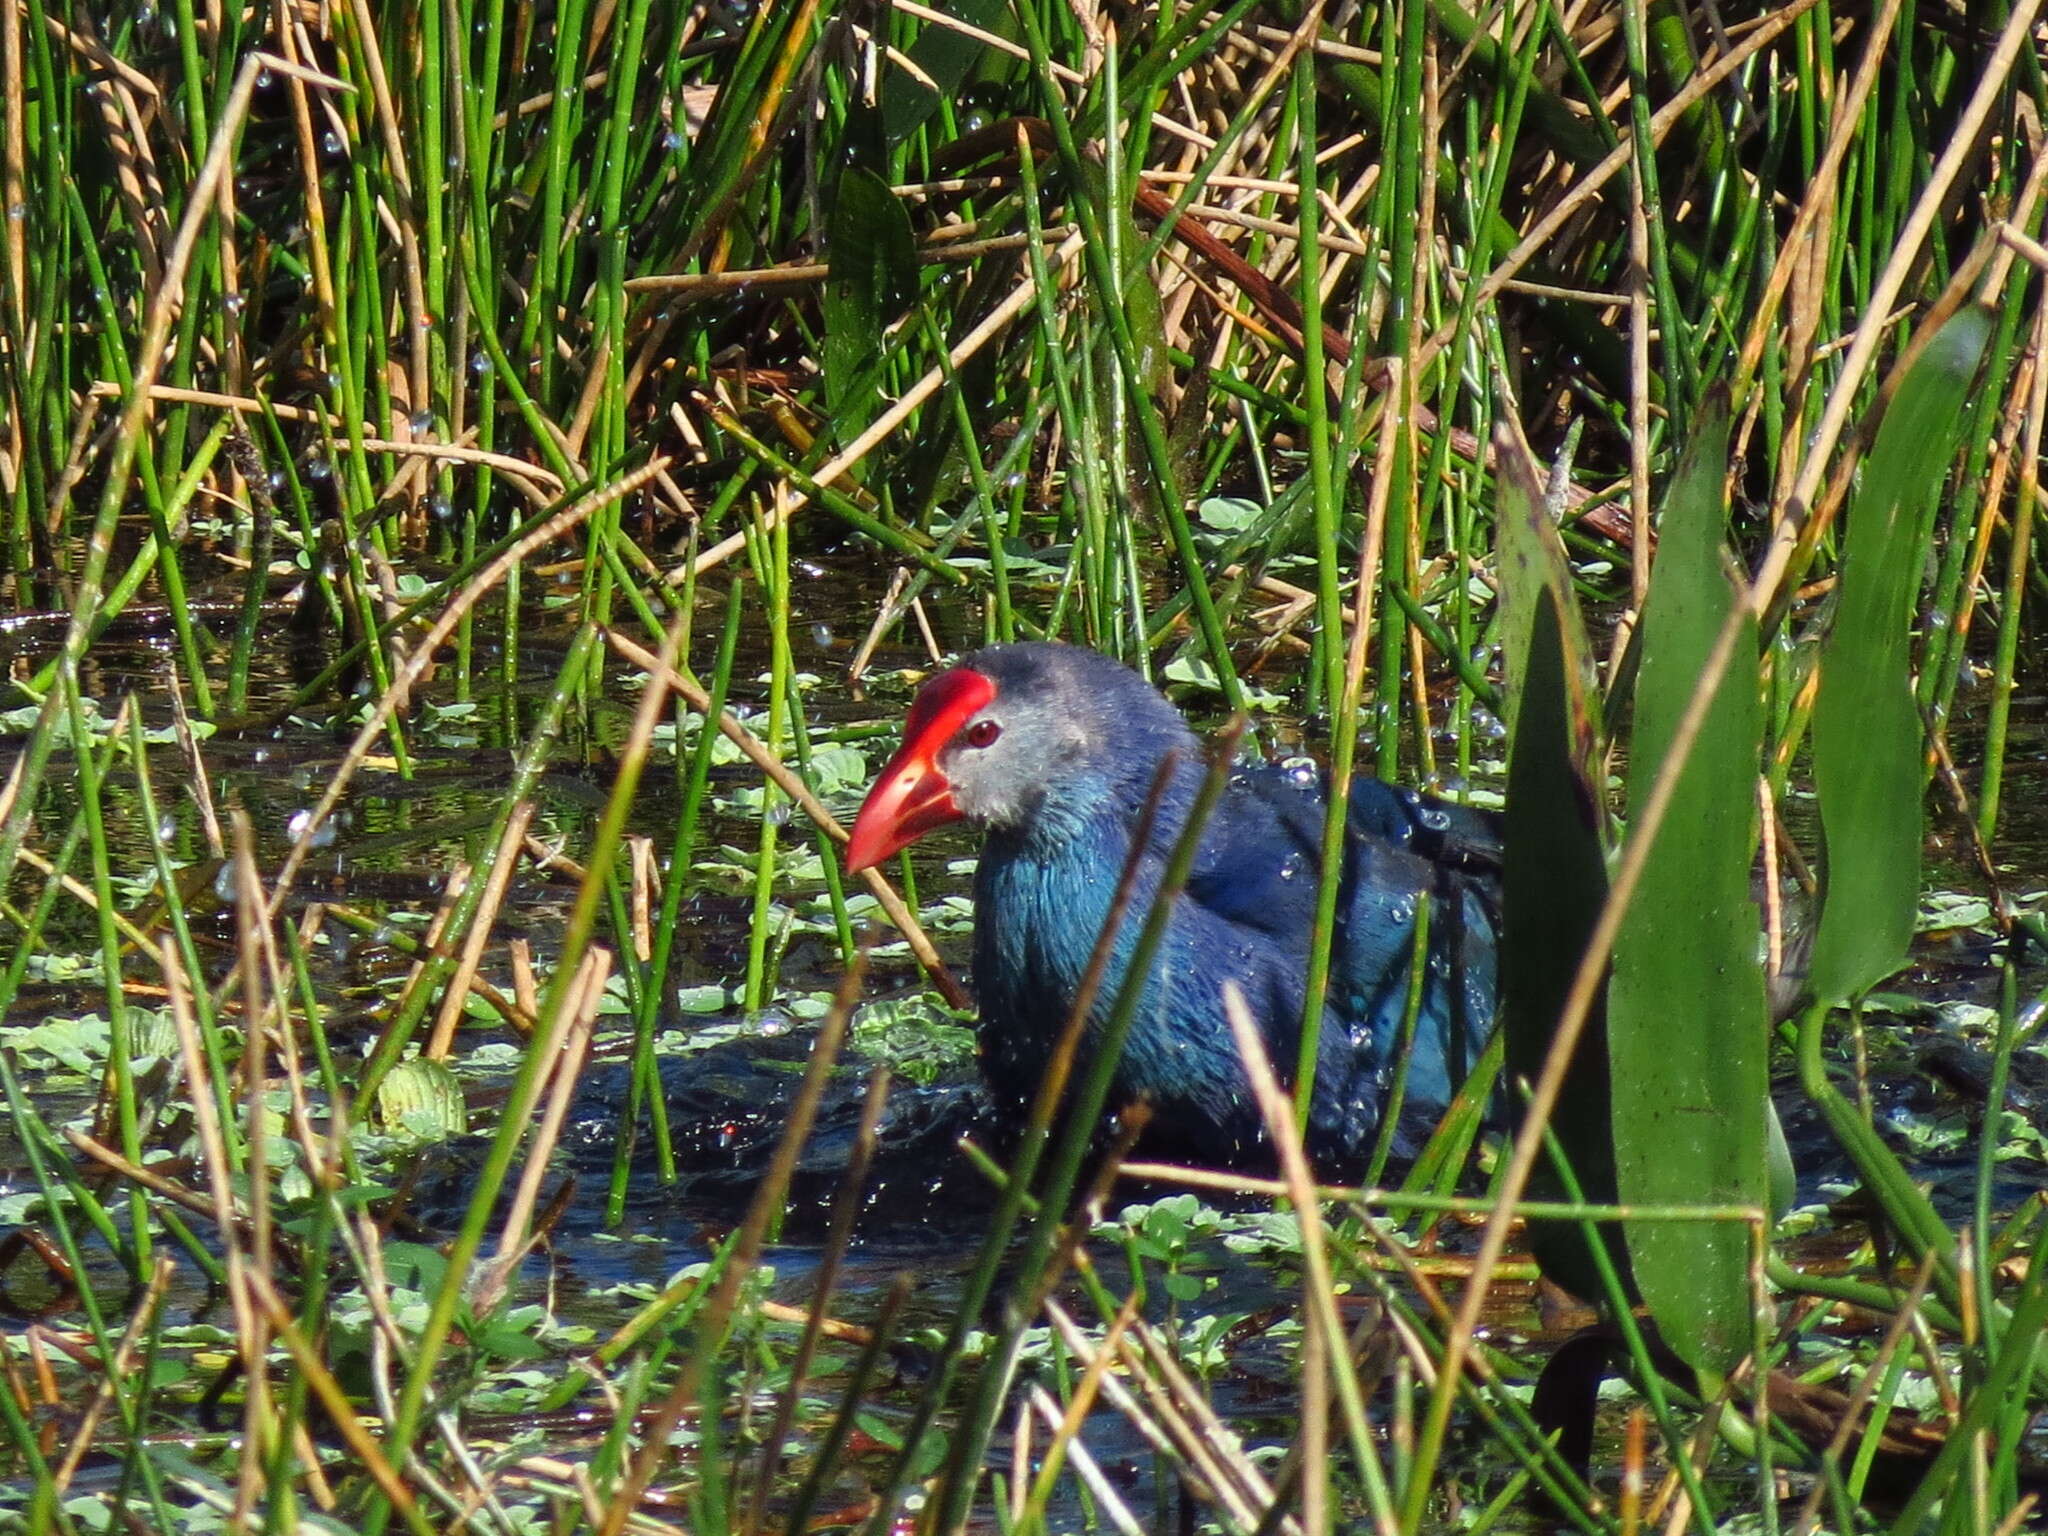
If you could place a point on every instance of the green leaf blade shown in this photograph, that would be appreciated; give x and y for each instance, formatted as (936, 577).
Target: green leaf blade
(1554, 872)
(1687, 1015)
(1867, 753)
(871, 280)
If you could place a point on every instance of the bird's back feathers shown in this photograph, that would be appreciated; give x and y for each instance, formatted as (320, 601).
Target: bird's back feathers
(1246, 916)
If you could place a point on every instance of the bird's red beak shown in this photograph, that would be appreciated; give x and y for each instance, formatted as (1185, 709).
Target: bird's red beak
(912, 796)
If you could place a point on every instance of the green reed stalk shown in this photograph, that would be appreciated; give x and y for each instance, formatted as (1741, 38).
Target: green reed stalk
(173, 900)
(38, 1149)
(1333, 685)
(120, 1044)
(771, 567)
(1080, 1116)
(1109, 288)
(695, 777)
(526, 773)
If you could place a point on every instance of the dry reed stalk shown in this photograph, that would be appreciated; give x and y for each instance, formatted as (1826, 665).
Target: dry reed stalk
(504, 862)
(564, 1046)
(1066, 74)
(1319, 1296)
(525, 990)
(1587, 186)
(785, 779)
(140, 1321)
(1791, 524)
(998, 319)
(422, 655)
(14, 194)
(341, 1412)
(645, 892)
(1066, 1425)
(258, 1255)
(1229, 1480)
(716, 1318)
(147, 1178)
(433, 943)
(536, 482)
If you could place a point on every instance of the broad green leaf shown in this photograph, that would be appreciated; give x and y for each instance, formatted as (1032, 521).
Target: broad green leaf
(870, 282)
(1137, 297)
(1554, 873)
(1867, 752)
(422, 1098)
(1687, 1022)
(945, 57)
(1142, 307)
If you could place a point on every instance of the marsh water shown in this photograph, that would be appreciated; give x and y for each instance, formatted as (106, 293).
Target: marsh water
(728, 1072)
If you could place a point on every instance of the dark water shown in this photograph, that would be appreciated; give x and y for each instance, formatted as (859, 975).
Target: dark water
(398, 836)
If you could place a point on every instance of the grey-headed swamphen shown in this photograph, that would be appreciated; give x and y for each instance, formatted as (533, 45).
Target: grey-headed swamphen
(1051, 751)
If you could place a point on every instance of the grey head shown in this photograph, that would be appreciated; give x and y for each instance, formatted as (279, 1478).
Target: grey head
(1068, 732)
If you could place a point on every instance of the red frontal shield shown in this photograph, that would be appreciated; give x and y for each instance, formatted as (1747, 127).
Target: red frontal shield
(912, 795)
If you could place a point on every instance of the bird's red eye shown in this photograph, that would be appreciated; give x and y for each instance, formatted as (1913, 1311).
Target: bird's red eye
(982, 733)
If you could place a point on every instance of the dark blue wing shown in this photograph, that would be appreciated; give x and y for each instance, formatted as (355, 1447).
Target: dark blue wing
(1406, 852)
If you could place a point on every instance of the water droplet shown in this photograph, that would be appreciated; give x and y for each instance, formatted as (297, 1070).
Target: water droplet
(319, 469)
(330, 144)
(265, 79)
(296, 828)
(672, 141)
(233, 304)
(224, 883)
(421, 423)
(479, 363)
(1938, 619)
(821, 636)
(16, 212)
(441, 509)
(166, 829)
(260, 755)
(280, 482)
